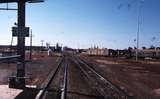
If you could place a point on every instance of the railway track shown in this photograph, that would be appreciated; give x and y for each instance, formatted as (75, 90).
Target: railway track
(75, 79)
(49, 83)
(99, 83)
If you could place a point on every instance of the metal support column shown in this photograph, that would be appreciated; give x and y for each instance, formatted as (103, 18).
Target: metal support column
(21, 32)
(21, 43)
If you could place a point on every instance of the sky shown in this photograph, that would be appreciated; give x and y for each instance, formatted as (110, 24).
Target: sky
(87, 23)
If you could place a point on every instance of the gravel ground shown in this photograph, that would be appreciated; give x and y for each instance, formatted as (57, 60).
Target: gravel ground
(140, 79)
(78, 86)
(40, 68)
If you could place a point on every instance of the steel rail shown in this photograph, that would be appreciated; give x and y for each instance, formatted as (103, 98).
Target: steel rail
(86, 75)
(42, 93)
(64, 88)
(117, 89)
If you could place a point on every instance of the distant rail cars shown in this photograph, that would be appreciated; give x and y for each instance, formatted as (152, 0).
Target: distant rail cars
(128, 53)
(147, 53)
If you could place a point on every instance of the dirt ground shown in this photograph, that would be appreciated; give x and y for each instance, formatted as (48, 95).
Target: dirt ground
(78, 86)
(37, 70)
(40, 67)
(139, 79)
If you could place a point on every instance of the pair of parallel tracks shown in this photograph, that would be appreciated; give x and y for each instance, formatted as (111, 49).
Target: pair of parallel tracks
(95, 80)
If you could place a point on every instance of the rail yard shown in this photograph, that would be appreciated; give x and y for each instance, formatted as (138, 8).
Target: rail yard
(79, 76)
(80, 49)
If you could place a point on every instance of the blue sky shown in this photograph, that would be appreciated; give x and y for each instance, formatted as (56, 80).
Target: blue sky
(85, 23)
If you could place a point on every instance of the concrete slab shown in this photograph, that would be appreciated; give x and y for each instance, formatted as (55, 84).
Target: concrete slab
(8, 93)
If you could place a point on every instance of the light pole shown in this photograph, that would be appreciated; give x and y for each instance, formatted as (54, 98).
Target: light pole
(138, 26)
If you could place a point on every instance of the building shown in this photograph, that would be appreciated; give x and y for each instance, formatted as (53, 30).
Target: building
(98, 51)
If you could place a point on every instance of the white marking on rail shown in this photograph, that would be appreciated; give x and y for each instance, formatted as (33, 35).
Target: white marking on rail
(39, 94)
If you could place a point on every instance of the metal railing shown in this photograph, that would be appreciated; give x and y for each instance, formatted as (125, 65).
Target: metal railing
(10, 57)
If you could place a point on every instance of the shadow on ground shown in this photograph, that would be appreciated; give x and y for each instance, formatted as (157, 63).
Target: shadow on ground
(28, 93)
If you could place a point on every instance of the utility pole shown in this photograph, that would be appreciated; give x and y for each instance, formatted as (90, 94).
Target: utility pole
(21, 32)
(138, 27)
(42, 45)
(138, 23)
(30, 56)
